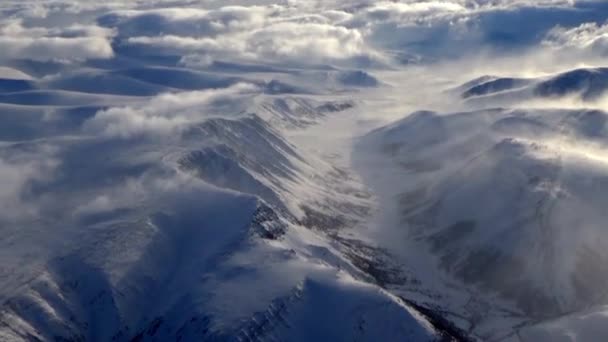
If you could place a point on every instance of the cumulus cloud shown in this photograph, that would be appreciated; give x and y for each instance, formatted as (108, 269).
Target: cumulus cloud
(189, 22)
(167, 113)
(47, 48)
(465, 29)
(77, 42)
(294, 32)
(272, 33)
(588, 36)
(309, 42)
(384, 10)
(326, 31)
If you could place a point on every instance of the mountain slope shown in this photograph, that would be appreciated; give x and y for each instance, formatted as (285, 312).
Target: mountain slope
(202, 234)
(507, 200)
(586, 85)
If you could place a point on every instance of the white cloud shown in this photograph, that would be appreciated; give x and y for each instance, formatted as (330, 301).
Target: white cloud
(189, 22)
(272, 33)
(47, 48)
(78, 42)
(16, 173)
(302, 42)
(316, 41)
(588, 36)
(385, 9)
(165, 113)
(294, 32)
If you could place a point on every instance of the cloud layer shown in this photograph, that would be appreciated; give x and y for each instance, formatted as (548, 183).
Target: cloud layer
(352, 33)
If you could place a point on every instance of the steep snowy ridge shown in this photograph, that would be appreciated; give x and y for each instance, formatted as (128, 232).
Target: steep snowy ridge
(197, 249)
(292, 112)
(102, 293)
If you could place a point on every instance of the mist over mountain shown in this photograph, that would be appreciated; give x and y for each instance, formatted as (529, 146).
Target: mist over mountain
(290, 170)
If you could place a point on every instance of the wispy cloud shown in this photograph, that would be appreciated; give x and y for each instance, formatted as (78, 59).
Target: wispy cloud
(165, 113)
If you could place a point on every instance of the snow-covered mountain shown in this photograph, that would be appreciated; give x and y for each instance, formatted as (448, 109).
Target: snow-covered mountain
(586, 85)
(171, 205)
(210, 240)
(505, 204)
(277, 170)
(509, 200)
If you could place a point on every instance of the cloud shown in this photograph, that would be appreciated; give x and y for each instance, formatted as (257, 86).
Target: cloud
(287, 41)
(344, 33)
(13, 178)
(49, 48)
(17, 172)
(236, 30)
(588, 36)
(416, 10)
(271, 33)
(188, 22)
(167, 113)
(77, 42)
